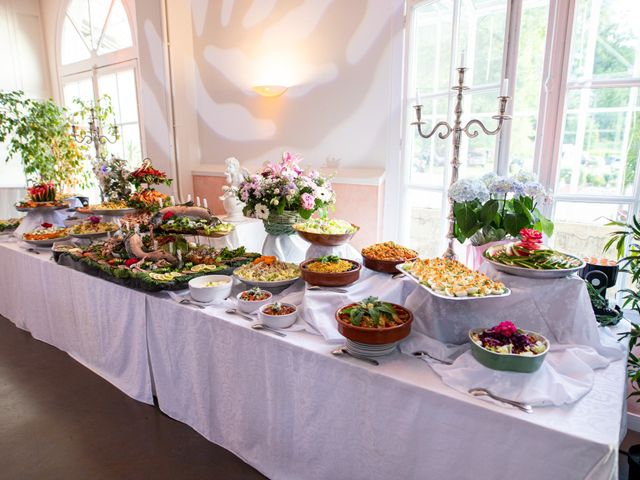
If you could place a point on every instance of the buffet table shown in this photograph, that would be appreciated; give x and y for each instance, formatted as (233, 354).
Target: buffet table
(290, 408)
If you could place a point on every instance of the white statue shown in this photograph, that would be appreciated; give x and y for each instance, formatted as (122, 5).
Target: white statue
(234, 175)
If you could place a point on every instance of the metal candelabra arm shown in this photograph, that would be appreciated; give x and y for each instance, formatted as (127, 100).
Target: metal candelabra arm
(419, 123)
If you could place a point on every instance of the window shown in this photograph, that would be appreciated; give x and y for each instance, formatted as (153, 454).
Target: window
(439, 31)
(98, 58)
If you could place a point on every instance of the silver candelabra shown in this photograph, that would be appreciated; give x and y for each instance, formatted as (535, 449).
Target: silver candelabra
(471, 129)
(94, 134)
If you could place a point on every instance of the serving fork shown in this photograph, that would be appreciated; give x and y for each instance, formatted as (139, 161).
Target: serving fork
(479, 392)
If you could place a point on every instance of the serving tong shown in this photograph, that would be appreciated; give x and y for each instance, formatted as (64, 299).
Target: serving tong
(480, 392)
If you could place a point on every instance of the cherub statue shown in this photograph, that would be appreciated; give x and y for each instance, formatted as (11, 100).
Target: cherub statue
(234, 175)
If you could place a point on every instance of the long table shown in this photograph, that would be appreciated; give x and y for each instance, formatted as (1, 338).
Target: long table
(290, 408)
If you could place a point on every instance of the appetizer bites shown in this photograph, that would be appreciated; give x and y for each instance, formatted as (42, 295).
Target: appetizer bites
(452, 279)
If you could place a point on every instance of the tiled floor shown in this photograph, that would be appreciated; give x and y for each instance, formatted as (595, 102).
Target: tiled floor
(58, 420)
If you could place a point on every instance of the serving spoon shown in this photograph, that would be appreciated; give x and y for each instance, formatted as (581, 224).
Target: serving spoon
(328, 289)
(344, 351)
(233, 311)
(479, 392)
(186, 301)
(422, 353)
(262, 326)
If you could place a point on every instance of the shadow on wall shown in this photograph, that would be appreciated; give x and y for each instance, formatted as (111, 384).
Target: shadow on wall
(334, 55)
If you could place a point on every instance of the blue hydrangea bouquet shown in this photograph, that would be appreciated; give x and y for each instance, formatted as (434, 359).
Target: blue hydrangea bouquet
(493, 208)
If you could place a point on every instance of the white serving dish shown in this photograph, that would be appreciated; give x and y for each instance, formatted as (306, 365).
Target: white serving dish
(201, 293)
(250, 307)
(532, 272)
(45, 243)
(411, 277)
(278, 321)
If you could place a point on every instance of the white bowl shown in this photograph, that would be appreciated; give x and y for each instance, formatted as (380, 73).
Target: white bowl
(247, 306)
(278, 321)
(201, 293)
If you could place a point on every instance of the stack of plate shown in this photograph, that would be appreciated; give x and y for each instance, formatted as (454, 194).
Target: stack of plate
(370, 350)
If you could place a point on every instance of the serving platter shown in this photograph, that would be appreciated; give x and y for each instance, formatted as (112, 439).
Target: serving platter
(411, 277)
(531, 272)
(114, 212)
(45, 243)
(48, 208)
(90, 235)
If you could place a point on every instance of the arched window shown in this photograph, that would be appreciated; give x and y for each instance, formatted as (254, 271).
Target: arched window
(98, 57)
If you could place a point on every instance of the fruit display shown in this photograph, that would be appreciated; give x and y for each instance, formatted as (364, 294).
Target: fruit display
(42, 192)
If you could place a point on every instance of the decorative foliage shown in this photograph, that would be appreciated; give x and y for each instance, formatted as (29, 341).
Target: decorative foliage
(113, 179)
(493, 207)
(39, 132)
(147, 175)
(284, 186)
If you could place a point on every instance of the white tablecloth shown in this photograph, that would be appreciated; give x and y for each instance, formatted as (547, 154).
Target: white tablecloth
(293, 411)
(100, 324)
(290, 408)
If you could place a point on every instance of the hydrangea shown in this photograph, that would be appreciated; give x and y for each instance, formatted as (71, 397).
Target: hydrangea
(517, 187)
(488, 178)
(466, 190)
(501, 186)
(525, 176)
(534, 189)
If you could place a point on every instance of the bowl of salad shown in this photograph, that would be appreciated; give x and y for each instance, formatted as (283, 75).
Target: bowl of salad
(268, 272)
(505, 347)
(210, 288)
(251, 300)
(330, 271)
(278, 315)
(386, 256)
(326, 232)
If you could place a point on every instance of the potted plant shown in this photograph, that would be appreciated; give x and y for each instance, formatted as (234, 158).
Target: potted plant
(493, 208)
(39, 132)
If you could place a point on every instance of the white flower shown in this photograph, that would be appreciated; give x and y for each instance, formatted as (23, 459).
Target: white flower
(262, 212)
(534, 189)
(501, 186)
(276, 191)
(466, 190)
(324, 194)
(524, 176)
(274, 201)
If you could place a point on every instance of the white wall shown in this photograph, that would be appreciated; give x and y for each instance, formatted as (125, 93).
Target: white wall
(23, 66)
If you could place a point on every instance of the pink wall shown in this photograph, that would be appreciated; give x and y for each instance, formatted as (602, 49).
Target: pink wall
(209, 187)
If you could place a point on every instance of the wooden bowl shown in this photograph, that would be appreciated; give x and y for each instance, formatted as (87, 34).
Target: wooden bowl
(375, 336)
(384, 266)
(326, 279)
(327, 239)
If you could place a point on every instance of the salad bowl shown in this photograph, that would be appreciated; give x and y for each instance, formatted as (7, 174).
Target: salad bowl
(250, 306)
(512, 362)
(326, 233)
(210, 288)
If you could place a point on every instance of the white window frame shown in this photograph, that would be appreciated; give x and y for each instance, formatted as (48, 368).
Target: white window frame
(123, 59)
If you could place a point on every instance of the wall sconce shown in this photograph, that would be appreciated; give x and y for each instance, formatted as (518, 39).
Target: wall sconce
(270, 90)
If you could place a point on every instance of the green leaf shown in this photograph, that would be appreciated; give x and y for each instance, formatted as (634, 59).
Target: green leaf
(488, 212)
(466, 218)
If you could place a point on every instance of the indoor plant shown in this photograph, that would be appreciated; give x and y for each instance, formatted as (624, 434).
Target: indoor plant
(39, 132)
(282, 193)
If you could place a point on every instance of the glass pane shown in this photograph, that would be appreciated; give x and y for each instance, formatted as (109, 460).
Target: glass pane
(531, 51)
(98, 11)
(433, 28)
(73, 47)
(605, 39)
(108, 85)
(117, 33)
(429, 156)
(477, 155)
(82, 89)
(132, 151)
(579, 227)
(425, 227)
(601, 142)
(78, 14)
(482, 33)
(127, 97)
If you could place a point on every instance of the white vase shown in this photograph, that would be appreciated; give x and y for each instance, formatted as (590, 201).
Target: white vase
(233, 207)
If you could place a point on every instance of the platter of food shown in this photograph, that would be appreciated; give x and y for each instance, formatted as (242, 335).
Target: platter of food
(9, 225)
(42, 197)
(268, 272)
(451, 280)
(505, 347)
(330, 271)
(116, 208)
(190, 220)
(385, 257)
(46, 235)
(30, 206)
(92, 228)
(528, 258)
(326, 232)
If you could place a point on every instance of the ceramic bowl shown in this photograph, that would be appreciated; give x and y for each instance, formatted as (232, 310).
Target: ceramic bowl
(507, 361)
(326, 279)
(247, 306)
(201, 293)
(375, 336)
(384, 266)
(328, 239)
(278, 321)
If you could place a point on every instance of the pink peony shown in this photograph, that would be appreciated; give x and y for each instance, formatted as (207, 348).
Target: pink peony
(308, 202)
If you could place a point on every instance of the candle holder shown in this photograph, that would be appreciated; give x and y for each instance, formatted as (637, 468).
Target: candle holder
(94, 134)
(471, 129)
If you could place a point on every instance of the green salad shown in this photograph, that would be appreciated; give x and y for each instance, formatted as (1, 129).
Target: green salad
(326, 225)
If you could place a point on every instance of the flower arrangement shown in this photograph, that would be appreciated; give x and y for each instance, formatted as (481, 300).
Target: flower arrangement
(284, 187)
(493, 207)
(113, 179)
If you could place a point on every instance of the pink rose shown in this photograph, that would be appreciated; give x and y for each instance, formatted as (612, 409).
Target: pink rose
(308, 202)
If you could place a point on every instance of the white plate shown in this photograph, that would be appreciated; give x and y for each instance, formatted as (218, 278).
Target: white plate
(446, 297)
(533, 273)
(368, 350)
(91, 235)
(116, 212)
(40, 209)
(45, 243)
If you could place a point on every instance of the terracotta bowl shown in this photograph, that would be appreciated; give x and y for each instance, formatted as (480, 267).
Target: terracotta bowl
(375, 336)
(324, 279)
(384, 266)
(328, 239)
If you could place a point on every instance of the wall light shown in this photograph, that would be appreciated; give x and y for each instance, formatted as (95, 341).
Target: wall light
(270, 90)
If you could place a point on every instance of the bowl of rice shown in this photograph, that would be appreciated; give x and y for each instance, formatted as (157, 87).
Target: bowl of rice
(330, 271)
(326, 232)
